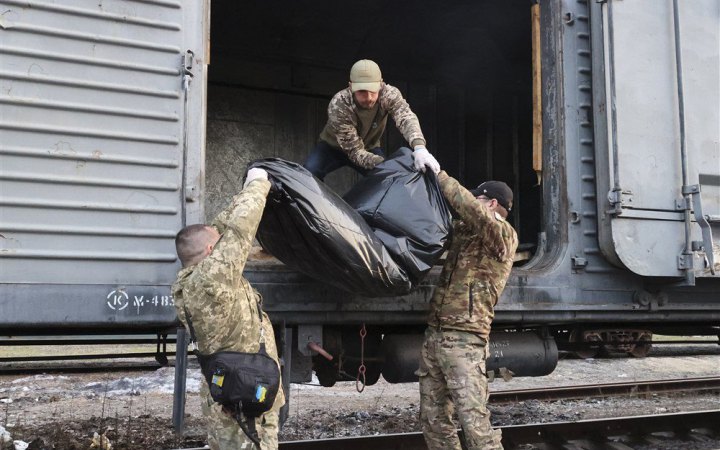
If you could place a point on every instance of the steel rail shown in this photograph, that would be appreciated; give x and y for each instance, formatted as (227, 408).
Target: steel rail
(711, 383)
(13, 359)
(82, 341)
(571, 346)
(596, 431)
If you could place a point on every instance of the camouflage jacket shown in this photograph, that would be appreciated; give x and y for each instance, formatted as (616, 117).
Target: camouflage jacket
(346, 129)
(477, 267)
(225, 309)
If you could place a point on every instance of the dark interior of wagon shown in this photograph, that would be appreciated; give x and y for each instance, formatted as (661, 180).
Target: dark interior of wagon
(463, 66)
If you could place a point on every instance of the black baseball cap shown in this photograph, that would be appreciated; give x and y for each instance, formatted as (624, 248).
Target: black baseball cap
(497, 190)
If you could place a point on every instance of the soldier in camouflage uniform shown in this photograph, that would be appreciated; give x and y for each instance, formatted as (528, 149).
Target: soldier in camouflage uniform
(357, 117)
(452, 366)
(225, 310)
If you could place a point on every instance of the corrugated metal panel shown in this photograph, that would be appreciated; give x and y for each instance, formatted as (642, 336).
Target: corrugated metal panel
(91, 139)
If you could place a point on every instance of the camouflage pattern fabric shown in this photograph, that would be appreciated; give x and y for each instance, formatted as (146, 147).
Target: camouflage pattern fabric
(452, 367)
(477, 267)
(346, 131)
(224, 433)
(453, 379)
(226, 311)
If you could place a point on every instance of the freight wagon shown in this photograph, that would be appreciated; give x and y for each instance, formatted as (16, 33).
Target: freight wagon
(122, 121)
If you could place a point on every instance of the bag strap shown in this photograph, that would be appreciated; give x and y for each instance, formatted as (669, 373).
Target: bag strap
(258, 304)
(247, 425)
(193, 340)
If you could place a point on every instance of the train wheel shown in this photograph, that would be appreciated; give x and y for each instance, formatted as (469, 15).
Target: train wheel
(576, 336)
(641, 349)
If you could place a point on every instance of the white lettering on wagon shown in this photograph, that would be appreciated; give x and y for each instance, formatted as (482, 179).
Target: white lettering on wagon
(118, 300)
(156, 301)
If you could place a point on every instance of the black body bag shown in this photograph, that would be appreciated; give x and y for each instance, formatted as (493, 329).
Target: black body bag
(407, 212)
(244, 382)
(312, 230)
(381, 240)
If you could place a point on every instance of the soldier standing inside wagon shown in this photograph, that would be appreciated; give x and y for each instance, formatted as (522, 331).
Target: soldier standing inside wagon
(225, 310)
(452, 366)
(357, 117)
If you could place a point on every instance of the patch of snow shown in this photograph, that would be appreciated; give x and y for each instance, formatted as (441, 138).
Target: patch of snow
(5, 437)
(36, 378)
(160, 381)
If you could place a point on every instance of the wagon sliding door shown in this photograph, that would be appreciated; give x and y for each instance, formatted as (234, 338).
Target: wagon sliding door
(95, 123)
(662, 134)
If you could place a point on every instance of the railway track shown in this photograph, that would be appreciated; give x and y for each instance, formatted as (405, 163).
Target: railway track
(671, 431)
(595, 430)
(608, 390)
(85, 363)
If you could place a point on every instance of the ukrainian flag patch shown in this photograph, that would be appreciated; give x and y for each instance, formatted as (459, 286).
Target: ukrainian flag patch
(260, 393)
(218, 380)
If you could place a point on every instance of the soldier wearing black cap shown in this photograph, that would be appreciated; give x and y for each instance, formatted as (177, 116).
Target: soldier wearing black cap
(497, 190)
(452, 367)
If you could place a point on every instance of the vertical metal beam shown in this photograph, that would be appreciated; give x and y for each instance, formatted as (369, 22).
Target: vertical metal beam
(687, 254)
(516, 164)
(186, 72)
(616, 193)
(181, 359)
(537, 134)
(286, 371)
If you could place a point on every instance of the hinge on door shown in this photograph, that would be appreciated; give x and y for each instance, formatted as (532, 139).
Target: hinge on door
(704, 222)
(685, 261)
(619, 199)
(692, 201)
(187, 64)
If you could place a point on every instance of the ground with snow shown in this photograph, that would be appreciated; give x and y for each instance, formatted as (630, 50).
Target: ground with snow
(134, 409)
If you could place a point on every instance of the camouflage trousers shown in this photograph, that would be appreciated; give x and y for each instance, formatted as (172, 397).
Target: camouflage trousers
(224, 433)
(453, 379)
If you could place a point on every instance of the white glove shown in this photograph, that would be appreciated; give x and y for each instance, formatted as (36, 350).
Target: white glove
(424, 158)
(255, 173)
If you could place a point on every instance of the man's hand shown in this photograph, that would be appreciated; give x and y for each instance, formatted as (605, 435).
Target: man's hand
(423, 159)
(255, 173)
(376, 159)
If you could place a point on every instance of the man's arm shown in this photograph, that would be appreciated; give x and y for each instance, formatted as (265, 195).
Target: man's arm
(500, 238)
(409, 125)
(471, 211)
(343, 122)
(237, 224)
(405, 120)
